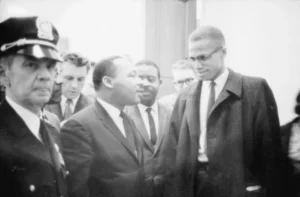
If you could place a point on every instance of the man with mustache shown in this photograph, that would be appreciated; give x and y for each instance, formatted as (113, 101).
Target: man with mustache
(73, 74)
(30, 160)
(224, 138)
(152, 120)
(102, 147)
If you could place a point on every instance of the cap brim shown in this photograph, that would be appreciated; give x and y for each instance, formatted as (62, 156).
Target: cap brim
(40, 51)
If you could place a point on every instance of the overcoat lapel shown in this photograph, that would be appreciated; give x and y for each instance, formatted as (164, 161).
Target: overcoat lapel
(193, 108)
(233, 86)
(112, 127)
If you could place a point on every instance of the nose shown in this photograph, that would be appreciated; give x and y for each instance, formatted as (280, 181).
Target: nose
(74, 83)
(198, 65)
(45, 74)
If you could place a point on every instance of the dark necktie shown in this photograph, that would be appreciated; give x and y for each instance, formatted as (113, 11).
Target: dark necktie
(151, 126)
(128, 130)
(68, 110)
(212, 98)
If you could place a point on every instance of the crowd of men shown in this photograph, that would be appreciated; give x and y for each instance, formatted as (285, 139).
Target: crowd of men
(217, 136)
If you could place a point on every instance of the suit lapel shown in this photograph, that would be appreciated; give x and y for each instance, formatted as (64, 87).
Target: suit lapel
(135, 114)
(233, 86)
(79, 104)
(163, 121)
(193, 108)
(112, 127)
(56, 109)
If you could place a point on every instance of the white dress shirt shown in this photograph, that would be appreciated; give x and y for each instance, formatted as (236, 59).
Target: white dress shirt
(63, 104)
(31, 120)
(205, 91)
(154, 113)
(114, 113)
(294, 145)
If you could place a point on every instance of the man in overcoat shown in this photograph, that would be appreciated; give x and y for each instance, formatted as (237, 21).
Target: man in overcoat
(224, 138)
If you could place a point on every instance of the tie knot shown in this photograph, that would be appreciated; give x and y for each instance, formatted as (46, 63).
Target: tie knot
(148, 109)
(122, 114)
(69, 101)
(212, 83)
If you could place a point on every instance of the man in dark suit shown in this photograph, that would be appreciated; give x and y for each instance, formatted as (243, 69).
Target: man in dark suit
(224, 138)
(102, 147)
(152, 120)
(73, 74)
(31, 164)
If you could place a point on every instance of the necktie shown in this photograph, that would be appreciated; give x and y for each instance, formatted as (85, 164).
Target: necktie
(68, 110)
(151, 126)
(212, 98)
(128, 131)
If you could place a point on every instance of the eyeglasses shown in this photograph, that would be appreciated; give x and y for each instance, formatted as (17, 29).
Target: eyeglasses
(203, 58)
(187, 81)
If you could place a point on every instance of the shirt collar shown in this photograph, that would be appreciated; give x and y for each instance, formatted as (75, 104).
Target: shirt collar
(64, 100)
(111, 110)
(144, 107)
(31, 120)
(220, 80)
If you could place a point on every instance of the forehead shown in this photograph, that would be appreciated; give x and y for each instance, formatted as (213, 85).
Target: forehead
(20, 59)
(123, 65)
(71, 69)
(202, 46)
(147, 70)
(182, 74)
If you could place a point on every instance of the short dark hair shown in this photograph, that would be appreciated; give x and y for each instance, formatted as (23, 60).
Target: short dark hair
(297, 107)
(105, 67)
(149, 63)
(76, 59)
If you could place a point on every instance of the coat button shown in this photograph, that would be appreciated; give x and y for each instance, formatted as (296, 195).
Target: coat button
(32, 188)
(67, 172)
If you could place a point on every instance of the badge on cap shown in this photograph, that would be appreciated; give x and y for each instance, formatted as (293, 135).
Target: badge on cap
(44, 28)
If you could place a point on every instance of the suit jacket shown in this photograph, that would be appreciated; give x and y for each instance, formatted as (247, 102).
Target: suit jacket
(82, 103)
(52, 119)
(28, 168)
(100, 159)
(154, 162)
(243, 141)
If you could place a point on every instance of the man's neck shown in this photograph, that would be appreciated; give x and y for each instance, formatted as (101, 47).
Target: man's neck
(107, 98)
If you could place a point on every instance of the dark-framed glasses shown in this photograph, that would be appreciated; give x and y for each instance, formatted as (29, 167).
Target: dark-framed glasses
(187, 81)
(203, 57)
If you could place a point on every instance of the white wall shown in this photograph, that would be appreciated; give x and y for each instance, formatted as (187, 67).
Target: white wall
(95, 28)
(263, 39)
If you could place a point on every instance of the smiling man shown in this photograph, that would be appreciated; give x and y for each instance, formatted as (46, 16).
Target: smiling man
(30, 161)
(73, 74)
(224, 136)
(152, 120)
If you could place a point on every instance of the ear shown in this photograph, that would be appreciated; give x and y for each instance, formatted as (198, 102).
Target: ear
(108, 82)
(4, 80)
(224, 51)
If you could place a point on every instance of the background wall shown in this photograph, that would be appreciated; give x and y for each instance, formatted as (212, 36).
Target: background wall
(94, 28)
(263, 39)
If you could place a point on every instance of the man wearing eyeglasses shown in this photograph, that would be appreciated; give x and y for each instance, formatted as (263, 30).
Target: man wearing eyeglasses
(183, 75)
(224, 134)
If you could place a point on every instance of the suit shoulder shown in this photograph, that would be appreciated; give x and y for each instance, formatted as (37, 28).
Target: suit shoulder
(250, 80)
(84, 114)
(86, 99)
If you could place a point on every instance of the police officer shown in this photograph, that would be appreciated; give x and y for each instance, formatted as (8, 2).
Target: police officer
(31, 164)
